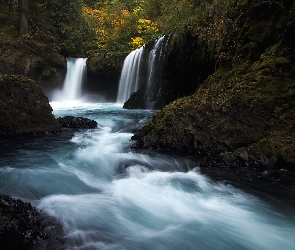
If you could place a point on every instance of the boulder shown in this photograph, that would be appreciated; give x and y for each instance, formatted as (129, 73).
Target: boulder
(23, 227)
(77, 122)
(24, 108)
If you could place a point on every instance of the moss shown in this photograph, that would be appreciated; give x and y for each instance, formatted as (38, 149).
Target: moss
(241, 114)
(24, 108)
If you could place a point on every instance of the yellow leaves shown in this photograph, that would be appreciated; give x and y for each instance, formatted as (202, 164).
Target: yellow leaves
(101, 32)
(137, 11)
(116, 26)
(119, 21)
(144, 25)
(97, 14)
(136, 42)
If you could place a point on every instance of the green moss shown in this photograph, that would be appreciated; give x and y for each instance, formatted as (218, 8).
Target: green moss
(246, 113)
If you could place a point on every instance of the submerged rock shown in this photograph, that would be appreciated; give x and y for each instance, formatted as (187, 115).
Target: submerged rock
(24, 108)
(77, 122)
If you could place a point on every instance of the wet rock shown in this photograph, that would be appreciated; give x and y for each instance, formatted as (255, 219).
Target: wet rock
(77, 122)
(24, 108)
(23, 227)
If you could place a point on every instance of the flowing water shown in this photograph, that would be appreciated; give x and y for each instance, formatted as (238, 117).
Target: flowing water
(72, 88)
(155, 66)
(109, 197)
(143, 70)
(130, 75)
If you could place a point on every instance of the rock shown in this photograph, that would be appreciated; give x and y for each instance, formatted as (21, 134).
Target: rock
(242, 115)
(183, 61)
(23, 227)
(77, 122)
(24, 108)
(106, 64)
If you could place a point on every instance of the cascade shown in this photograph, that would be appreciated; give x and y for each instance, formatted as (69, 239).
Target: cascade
(155, 66)
(130, 75)
(143, 70)
(72, 88)
(155, 60)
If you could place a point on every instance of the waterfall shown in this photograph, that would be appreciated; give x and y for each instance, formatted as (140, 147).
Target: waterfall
(155, 66)
(155, 60)
(72, 88)
(130, 75)
(143, 69)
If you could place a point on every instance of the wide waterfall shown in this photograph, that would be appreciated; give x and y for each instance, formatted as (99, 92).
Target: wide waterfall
(72, 88)
(129, 80)
(142, 69)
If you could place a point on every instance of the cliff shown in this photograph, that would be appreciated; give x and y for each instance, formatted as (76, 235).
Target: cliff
(242, 114)
(24, 108)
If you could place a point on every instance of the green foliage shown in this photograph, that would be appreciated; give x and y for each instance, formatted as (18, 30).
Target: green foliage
(71, 30)
(120, 25)
(81, 27)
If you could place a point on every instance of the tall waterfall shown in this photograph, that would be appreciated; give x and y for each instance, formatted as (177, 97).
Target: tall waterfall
(72, 88)
(142, 69)
(155, 66)
(156, 57)
(129, 80)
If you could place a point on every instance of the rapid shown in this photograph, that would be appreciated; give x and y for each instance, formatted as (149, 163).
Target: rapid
(108, 196)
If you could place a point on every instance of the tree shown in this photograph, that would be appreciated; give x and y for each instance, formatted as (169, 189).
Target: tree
(23, 17)
(70, 28)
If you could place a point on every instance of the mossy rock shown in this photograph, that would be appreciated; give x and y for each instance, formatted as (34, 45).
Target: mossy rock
(236, 117)
(24, 108)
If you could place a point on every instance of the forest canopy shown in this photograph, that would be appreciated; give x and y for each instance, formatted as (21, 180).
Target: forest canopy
(91, 26)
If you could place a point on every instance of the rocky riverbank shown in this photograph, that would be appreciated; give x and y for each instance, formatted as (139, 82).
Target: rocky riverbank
(23, 227)
(243, 114)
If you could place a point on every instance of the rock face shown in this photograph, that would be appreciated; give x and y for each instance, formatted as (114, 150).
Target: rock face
(24, 108)
(77, 122)
(244, 113)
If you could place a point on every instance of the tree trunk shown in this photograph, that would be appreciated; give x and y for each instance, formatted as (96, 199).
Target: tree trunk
(10, 8)
(23, 8)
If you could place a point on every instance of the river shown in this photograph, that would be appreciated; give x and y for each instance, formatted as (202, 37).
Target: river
(110, 197)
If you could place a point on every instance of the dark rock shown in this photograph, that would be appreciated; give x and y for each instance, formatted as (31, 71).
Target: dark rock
(106, 64)
(24, 108)
(77, 122)
(23, 227)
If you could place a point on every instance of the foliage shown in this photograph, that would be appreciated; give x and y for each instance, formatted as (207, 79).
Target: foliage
(120, 25)
(71, 30)
(136, 42)
(85, 26)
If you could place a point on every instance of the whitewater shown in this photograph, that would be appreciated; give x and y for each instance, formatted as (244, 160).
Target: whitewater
(108, 196)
